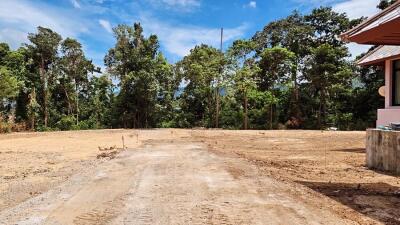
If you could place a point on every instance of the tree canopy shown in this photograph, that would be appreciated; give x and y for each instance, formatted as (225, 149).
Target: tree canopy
(294, 73)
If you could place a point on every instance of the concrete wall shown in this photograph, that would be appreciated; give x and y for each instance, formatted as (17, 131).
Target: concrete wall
(383, 150)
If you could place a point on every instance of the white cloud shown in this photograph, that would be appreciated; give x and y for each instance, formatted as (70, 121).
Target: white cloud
(106, 25)
(357, 8)
(353, 8)
(13, 37)
(252, 4)
(178, 5)
(22, 17)
(76, 4)
(315, 2)
(179, 40)
(182, 3)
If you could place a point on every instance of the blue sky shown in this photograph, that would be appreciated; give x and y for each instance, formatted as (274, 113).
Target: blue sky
(179, 24)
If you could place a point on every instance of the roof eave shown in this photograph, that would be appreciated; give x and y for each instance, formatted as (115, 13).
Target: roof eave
(346, 36)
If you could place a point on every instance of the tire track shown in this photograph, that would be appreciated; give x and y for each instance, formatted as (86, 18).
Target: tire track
(175, 183)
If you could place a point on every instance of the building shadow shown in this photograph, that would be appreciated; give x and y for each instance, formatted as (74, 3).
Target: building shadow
(379, 201)
(387, 173)
(351, 150)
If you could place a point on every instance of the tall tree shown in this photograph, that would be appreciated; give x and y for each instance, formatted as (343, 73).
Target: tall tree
(325, 69)
(101, 98)
(296, 35)
(133, 61)
(277, 66)
(327, 26)
(44, 48)
(75, 69)
(200, 69)
(168, 84)
(245, 71)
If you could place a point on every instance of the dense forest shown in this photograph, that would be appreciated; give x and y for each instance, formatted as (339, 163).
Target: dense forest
(294, 74)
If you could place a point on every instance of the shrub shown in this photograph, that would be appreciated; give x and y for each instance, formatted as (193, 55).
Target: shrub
(42, 128)
(167, 124)
(83, 125)
(5, 127)
(66, 123)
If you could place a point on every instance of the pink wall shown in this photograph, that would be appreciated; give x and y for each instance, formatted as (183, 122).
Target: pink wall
(388, 83)
(387, 116)
(391, 114)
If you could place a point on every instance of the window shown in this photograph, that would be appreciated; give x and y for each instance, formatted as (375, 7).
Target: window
(396, 83)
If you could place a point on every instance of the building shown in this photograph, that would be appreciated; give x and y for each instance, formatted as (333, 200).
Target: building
(383, 29)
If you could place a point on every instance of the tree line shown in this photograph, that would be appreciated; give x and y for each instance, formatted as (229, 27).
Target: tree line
(293, 74)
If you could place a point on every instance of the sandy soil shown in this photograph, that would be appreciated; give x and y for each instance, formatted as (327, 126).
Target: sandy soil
(330, 164)
(32, 163)
(192, 177)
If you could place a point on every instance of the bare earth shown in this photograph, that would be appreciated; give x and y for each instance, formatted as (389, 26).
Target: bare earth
(175, 176)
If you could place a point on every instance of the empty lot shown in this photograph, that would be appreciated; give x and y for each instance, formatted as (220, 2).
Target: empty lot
(176, 176)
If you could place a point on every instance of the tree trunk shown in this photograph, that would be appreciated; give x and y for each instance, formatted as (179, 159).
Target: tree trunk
(68, 100)
(45, 97)
(209, 112)
(32, 116)
(33, 123)
(245, 118)
(323, 110)
(217, 108)
(319, 115)
(77, 104)
(296, 97)
(270, 116)
(320, 109)
(146, 120)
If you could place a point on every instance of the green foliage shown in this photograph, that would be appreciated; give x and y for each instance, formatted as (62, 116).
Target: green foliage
(145, 77)
(292, 33)
(327, 70)
(9, 85)
(201, 70)
(295, 73)
(245, 70)
(43, 52)
(66, 123)
(383, 4)
(5, 127)
(277, 64)
(9, 82)
(327, 25)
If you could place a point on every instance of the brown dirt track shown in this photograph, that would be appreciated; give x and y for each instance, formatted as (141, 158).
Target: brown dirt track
(210, 177)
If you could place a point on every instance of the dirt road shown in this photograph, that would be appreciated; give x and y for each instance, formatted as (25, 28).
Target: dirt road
(170, 182)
